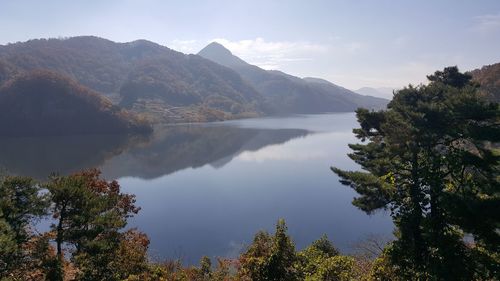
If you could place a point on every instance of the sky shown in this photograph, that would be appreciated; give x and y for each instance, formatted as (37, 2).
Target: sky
(353, 43)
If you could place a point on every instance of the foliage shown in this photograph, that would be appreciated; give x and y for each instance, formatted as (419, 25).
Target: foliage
(20, 203)
(489, 78)
(428, 160)
(271, 257)
(337, 268)
(313, 257)
(89, 213)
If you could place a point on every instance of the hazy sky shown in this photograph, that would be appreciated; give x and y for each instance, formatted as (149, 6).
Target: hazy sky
(351, 43)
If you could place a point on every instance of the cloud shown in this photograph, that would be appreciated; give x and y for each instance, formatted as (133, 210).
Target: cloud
(276, 55)
(273, 54)
(185, 46)
(487, 23)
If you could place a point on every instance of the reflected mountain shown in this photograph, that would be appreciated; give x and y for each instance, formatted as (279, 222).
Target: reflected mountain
(167, 150)
(38, 157)
(175, 148)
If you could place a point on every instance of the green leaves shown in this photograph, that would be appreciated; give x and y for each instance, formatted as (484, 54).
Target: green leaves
(89, 213)
(21, 202)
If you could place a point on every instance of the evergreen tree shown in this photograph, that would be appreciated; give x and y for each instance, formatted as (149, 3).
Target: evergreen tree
(89, 212)
(429, 159)
(21, 202)
(271, 258)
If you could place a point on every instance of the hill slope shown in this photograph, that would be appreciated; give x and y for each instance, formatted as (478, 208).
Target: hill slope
(143, 76)
(43, 103)
(289, 94)
(489, 79)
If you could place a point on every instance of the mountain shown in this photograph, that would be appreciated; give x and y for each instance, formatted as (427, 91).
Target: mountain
(42, 103)
(159, 83)
(7, 71)
(366, 101)
(489, 79)
(383, 92)
(284, 93)
(163, 85)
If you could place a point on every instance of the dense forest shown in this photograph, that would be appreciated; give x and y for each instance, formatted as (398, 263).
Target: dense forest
(431, 158)
(41, 103)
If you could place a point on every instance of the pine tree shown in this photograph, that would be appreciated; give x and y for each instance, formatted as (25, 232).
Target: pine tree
(430, 159)
(89, 213)
(21, 202)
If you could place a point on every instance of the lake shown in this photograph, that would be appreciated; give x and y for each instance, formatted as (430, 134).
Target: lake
(206, 189)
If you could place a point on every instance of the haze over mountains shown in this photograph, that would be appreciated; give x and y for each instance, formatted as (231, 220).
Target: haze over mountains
(162, 85)
(155, 83)
(285, 93)
(383, 92)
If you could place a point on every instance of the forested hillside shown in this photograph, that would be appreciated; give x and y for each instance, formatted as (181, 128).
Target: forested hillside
(489, 79)
(45, 103)
(160, 83)
(168, 86)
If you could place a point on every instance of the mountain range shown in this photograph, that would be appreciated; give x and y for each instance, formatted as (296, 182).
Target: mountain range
(155, 83)
(284, 93)
(70, 80)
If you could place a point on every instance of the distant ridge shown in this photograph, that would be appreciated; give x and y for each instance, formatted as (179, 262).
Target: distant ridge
(384, 92)
(285, 93)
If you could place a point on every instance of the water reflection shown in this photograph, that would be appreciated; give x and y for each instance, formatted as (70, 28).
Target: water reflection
(38, 157)
(215, 209)
(175, 148)
(169, 149)
(206, 189)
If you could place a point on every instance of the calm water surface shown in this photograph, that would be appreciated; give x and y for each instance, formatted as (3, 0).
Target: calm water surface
(206, 189)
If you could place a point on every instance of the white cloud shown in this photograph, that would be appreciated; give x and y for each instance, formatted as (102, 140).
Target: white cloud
(185, 46)
(273, 54)
(487, 23)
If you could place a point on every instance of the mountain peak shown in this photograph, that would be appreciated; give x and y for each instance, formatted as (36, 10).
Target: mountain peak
(216, 47)
(218, 53)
